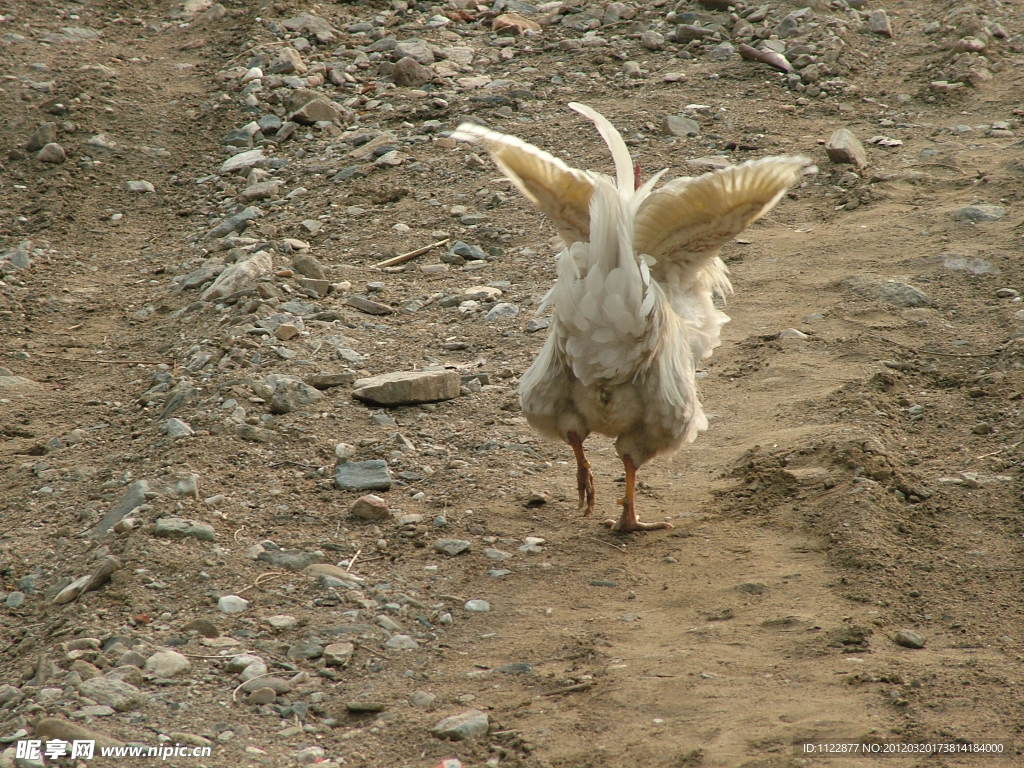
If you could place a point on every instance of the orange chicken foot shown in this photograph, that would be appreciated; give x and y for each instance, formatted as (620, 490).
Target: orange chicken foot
(584, 477)
(629, 523)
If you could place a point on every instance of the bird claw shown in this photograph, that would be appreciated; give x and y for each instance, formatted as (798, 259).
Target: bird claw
(618, 527)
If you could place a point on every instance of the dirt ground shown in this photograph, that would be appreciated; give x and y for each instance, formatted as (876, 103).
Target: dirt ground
(859, 482)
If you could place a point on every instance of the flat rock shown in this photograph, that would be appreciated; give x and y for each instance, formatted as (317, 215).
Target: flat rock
(134, 496)
(320, 109)
(370, 475)
(236, 222)
(451, 547)
(243, 161)
(179, 528)
(59, 728)
(308, 24)
(844, 147)
(514, 24)
(408, 387)
(369, 306)
(467, 725)
(338, 654)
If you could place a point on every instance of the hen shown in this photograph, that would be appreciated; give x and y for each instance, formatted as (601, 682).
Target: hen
(633, 302)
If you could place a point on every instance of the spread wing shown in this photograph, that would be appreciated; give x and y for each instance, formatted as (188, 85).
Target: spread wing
(561, 192)
(685, 223)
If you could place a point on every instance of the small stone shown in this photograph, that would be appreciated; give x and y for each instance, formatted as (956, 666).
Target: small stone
(680, 125)
(979, 212)
(52, 153)
(495, 554)
(878, 22)
(369, 475)
(305, 649)
(318, 110)
(1007, 293)
(535, 324)
(908, 638)
(140, 186)
(309, 265)
(167, 664)
(452, 547)
(408, 387)
(370, 507)
(724, 51)
(477, 606)
(369, 306)
(889, 291)
(243, 161)
(422, 699)
(844, 147)
(532, 545)
(232, 604)
(338, 654)
(982, 428)
(179, 528)
(236, 222)
(288, 61)
(467, 725)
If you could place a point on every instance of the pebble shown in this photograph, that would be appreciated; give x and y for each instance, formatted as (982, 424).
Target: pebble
(243, 161)
(232, 604)
(502, 311)
(889, 291)
(338, 654)
(452, 547)
(464, 726)
(176, 428)
(369, 475)
(908, 638)
(408, 387)
(240, 277)
(140, 186)
(878, 22)
(1007, 293)
(477, 606)
(45, 133)
(111, 692)
(532, 545)
(792, 333)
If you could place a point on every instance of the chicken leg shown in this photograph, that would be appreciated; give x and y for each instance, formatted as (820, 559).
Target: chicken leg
(584, 477)
(629, 522)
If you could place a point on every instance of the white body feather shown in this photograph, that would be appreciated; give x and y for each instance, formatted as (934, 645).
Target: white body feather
(634, 300)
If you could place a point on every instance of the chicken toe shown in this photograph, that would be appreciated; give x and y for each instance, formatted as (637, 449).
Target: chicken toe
(628, 522)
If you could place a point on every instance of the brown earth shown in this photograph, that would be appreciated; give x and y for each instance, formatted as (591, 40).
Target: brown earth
(822, 513)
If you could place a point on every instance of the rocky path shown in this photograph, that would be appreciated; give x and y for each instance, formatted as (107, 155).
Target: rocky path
(231, 527)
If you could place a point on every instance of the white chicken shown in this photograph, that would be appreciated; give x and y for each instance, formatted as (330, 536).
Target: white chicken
(634, 299)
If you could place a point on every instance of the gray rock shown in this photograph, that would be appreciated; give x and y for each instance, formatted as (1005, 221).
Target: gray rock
(370, 475)
(422, 699)
(680, 125)
(418, 49)
(464, 726)
(724, 51)
(971, 264)
(370, 507)
(139, 186)
(844, 147)
(179, 528)
(452, 547)
(14, 599)
(501, 311)
(167, 664)
(889, 291)
(369, 306)
(477, 606)
(18, 257)
(232, 604)
(52, 153)
(407, 387)
(305, 649)
(908, 638)
(461, 252)
(980, 212)
(236, 222)
(535, 324)
(287, 62)
(260, 191)
(264, 695)
(1007, 293)
(118, 694)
